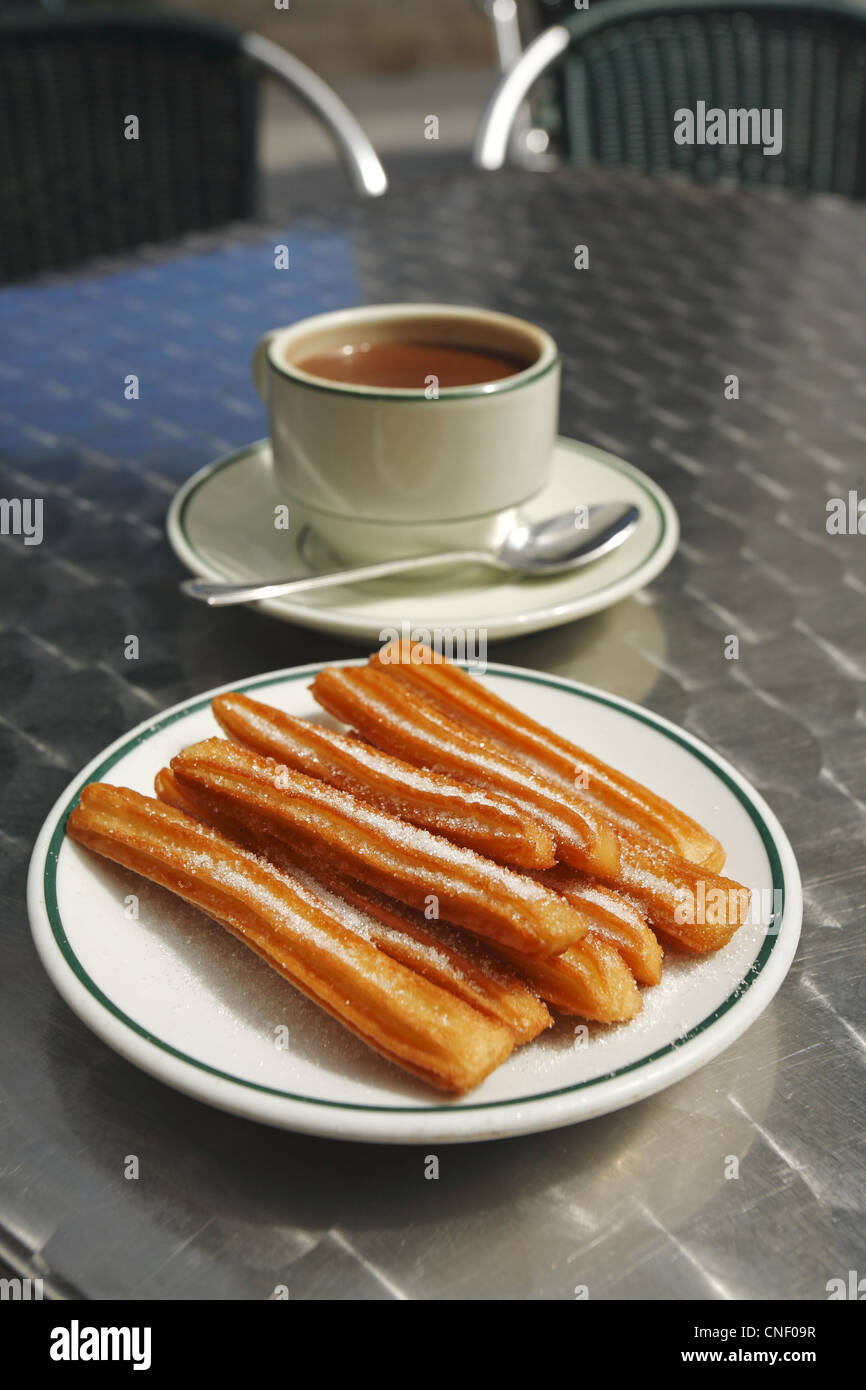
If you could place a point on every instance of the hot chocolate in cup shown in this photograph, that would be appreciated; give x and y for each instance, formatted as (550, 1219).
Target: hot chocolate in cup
(400, 429)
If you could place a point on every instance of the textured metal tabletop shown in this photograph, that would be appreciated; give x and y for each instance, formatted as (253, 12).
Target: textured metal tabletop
(685, 287)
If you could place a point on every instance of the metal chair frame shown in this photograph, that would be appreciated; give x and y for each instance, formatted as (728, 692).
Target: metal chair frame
(356, 152)
(494, 134)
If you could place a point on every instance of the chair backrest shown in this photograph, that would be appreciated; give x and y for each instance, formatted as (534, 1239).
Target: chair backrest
(631, 65)
(118, 129)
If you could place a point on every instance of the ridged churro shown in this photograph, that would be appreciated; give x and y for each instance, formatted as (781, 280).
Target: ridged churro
(668, 888)
(365, 843)
(447, 956)
(406, 1018)
(593, 979)
(697, 909)
(590, 980)
(443, 954)
(571, 768)
(613, 918)
(415, 731)
(470, 817)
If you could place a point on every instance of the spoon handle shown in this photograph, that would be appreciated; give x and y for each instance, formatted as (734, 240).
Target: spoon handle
(218, 595)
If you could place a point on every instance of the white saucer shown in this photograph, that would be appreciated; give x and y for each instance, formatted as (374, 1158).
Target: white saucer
(182, 999)
(221, 526)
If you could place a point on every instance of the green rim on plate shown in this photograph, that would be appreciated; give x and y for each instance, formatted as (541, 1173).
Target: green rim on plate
(768, 946)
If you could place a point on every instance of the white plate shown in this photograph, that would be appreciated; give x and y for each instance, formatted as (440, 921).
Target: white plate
(221, 526)
(182, 999)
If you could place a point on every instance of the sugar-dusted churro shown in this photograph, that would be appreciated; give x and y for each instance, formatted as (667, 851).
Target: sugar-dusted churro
(409, 1020)
(697, 909)
(443, 954)
(590, 980)
(447, 956)
(584, 980)
(571, 768)
(415, 731)
(467, 815)
(668, 888)
(365, 843)
(613, 918)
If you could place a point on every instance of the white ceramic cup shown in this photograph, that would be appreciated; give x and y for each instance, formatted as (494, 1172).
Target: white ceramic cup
(381, 472)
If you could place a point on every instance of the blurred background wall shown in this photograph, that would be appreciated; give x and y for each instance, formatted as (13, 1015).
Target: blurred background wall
(344, 38)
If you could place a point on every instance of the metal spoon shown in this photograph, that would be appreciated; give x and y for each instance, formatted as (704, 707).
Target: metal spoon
(532, 548)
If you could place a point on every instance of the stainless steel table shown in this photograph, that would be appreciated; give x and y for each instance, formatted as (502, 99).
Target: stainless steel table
(685, 286)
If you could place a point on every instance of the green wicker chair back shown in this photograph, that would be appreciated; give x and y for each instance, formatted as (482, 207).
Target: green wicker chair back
(74, 182)
(632, 65)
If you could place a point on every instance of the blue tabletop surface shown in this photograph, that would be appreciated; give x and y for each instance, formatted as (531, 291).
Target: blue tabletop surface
(185, 324)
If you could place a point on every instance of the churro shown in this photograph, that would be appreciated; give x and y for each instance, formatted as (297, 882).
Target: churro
(470, 817)
(415, 731)
(447, 956)
(409, 1020)
(570, 768)
(668, 888)
(584, 980)
(698, 910)
(365, 843)
(613, 918)
(443, 954)
(590, 980)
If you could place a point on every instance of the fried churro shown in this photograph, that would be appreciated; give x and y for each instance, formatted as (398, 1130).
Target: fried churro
(443, 954)
(698, 910)
(409, 1020)
(570, 768)
(668, 888)
(414, 730)
(590, 980)
(470, 817)
(613, 918)
(365, 843)
(584, 980)
(447, 956)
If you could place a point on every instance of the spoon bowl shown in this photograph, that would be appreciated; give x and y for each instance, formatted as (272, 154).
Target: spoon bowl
(564, 542)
